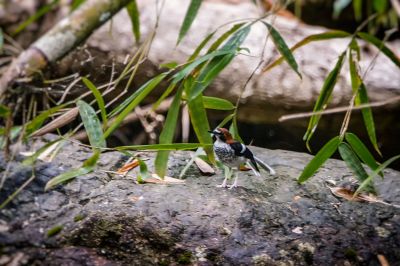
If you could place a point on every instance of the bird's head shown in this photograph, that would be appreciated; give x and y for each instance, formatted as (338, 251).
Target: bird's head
(222, 134)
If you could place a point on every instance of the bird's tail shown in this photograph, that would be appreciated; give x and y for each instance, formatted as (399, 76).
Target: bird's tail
(265, 166)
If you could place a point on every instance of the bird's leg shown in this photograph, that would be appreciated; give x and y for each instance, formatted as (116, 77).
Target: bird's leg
(236, 180)
(228, 174)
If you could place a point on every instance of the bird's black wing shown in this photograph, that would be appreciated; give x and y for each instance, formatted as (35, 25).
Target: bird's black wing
(241, 150)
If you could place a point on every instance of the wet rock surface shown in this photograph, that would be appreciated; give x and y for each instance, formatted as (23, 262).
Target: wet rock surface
(104, 219)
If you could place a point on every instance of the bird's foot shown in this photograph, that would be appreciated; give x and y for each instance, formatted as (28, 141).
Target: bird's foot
(223, 185)
(232, 186)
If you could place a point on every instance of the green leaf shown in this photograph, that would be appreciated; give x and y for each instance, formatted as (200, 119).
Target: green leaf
(99, 98)
(193, 65)
(165, 94)
(132, 101)
(224, 36)
(327, 151)
(357, 6)
(380, 6)
(167, 134)
(169, 65)
(144, 172)
(87, 167)
(354, 77)
(199, 120)
(200, 47)
(92, 125)
(189, 18)
(38, 121)
(164, 147)
(369, 179)
(362, 98)
(40, 13)
(4, 110)
(134, 15)
(381, 46)
(323, 98)
(361, 150)
(218, 63)
(217, 103)
(226, 120)
(283, 49)
(1, 41)
(353, 163)
(76, 3)
(31, 159)
(235, 130)
(13, 134)
(312, 38)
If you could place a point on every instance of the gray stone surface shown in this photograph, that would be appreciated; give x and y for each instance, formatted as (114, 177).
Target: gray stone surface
(269, 220)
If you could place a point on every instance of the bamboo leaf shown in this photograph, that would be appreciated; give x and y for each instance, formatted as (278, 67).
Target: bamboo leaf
(369, 179)
(144, 172)
(31, 159)
(218, 63)
(362, 98)
(217, 103)
(282, 47)
(87, 167)
(132, 101)
(40, 13)
(226, 120)
(312, 38)
(361, 150)
(167, 134)
(13, 134)
(327, 151)
(357, 6)
(164, 147)
(381, 46)
(224, 36)
(75, 4)
(235, 130)
(134, 15)
(92, 125)
(199, 120)
(200, 47)
(353, 163)
(1, 41)
(189, 18)
(323, 98)
(354, 77)
(380, 6)
(38, 121)
(165, 94)
(193, 65)
(99, 98)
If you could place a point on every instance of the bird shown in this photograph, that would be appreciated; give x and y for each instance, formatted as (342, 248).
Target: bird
(232, 154)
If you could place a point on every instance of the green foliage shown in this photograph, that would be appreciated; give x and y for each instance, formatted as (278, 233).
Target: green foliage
(40, 13)
(217, 103)
(99, 99)
(4, 110)
(189, 18)
(327, 151)
(283, 48)
(54, 230)
(323, 99)
(87, 167)
(144, 172)
(92, 125)
(134, 15)
(167, 134)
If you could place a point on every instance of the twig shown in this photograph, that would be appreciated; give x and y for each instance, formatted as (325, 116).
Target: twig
(338, 109)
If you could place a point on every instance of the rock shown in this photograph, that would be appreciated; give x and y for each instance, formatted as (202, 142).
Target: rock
(270, 220)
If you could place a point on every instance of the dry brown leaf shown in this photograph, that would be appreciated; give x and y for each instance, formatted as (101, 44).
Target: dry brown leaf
(128, 166)
(244, 168)
(60, 121)
(204, 167)
(382, 260)
(155, 179)
(349, 195)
